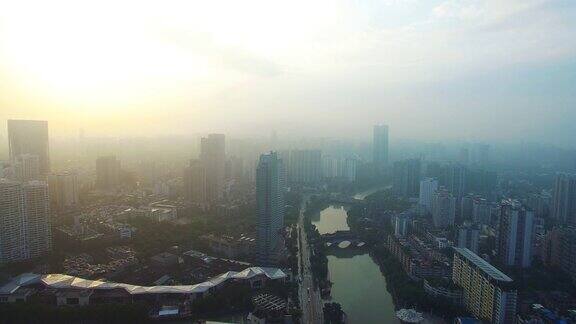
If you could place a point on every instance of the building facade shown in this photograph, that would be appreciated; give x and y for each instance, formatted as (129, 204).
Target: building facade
(25, 230)
(270, 189)
(305, 166)
(468, 236)
(213, 158)
(428, 187)
(27, 167)
(443, 208)
(564, 199)
(107, 172)
(487, 292)
(380, 147)
(64, 188)
(515, 235)
(30, 137)
(195, 183)
(406, 181)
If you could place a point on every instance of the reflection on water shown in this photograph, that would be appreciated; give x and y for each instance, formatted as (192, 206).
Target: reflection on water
(358, 284)
(331, 219)
(360, 287)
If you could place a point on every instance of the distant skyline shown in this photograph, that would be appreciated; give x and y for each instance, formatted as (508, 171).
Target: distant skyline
(432, 70)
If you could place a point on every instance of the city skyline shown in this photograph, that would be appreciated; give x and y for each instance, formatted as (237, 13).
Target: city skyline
(306, 162)
(436, 69)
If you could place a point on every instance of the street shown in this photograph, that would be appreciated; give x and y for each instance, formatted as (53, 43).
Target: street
(310, 299)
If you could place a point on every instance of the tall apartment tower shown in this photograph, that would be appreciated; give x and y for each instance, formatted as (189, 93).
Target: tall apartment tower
(27, 167)
(564, 199)
(12, 222)
(380, 147)
(24, 220)
(481, 211)
(305, 166)
(107, 172)
(406, 180)
(454, 179)
(427, 188)
(468, 236)
(443, 209)
(37, 213)
(270, 187)
(195, 183)
(64, 190)
(515, 235)
(213, 157)
(488, 293)
(30, 137)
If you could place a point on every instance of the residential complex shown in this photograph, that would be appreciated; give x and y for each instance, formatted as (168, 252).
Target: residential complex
(488, 293)
(25, 230)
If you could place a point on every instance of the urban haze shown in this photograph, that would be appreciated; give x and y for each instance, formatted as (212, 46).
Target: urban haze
(391, 161)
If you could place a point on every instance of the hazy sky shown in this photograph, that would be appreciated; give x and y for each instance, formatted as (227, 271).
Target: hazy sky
(480, 70)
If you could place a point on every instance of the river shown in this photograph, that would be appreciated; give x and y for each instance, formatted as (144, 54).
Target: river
(358, 284)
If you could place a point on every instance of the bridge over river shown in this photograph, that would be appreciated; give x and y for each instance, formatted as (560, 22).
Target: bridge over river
(343, 239)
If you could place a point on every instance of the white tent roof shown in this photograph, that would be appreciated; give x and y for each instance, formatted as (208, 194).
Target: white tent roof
(62, 281)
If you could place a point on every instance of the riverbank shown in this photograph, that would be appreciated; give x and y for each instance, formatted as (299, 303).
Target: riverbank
(406, 292)
(357, 282)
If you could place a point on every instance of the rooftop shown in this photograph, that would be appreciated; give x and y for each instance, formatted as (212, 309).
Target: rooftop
(483, 265)
(61, 281)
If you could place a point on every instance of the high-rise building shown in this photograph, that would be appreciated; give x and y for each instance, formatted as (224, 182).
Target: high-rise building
(270, 188)
(481, 211)
(347, 169)
(329, 167)
(443, 208)
(107, 172)
(468, 237)
(428, 187)
(213, 157)
(195, 183)
(305, 166)
(24, 220)
(515, 234)
(568, 252)
(64, 189)
(12, 222)
(540, 203)
(380, 147)
(454, 179)
(488, 293)
(466, 207)
(564, 199)
(37, 213)
(400, 225)
(406, 178)
(341, 168)
(552, 248)
(27, 167)
(30, 137)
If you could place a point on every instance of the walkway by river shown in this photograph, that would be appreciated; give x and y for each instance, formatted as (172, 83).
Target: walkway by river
(358, 284)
